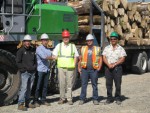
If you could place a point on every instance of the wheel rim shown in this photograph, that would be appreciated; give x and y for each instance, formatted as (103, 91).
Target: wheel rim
(7, 82)
(143, 63)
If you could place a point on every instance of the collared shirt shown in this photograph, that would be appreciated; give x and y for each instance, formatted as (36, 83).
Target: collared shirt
(113, 55)
(64, 47)
(42, 63)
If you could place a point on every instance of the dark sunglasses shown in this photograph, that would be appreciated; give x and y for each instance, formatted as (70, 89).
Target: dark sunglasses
(113, 39)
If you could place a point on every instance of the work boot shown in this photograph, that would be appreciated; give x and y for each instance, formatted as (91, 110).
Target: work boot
(70, 102)
(45, 103)
(22, 107)
(61, 101)
(36, 103)
(31, 105)
(95, 102)
(81, 102)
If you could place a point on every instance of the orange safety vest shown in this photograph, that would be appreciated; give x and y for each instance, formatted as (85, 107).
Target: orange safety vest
(95, 56)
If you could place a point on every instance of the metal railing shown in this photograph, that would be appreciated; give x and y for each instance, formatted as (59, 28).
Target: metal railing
(102, 34)
(12, 14)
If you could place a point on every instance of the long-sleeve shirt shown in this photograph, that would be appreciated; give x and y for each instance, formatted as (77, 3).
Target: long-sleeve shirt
(42, 63)
(26, 59)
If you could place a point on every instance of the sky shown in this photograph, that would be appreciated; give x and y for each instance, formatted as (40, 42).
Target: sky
(138, 0)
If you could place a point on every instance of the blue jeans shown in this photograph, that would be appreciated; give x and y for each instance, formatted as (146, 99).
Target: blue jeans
(27, 80)
(42, 84)
(85, 75)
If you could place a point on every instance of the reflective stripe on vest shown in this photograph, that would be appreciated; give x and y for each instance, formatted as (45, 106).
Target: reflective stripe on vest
(95, 56)
(66, 57)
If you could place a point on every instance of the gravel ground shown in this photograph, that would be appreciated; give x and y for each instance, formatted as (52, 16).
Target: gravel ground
(135, 95)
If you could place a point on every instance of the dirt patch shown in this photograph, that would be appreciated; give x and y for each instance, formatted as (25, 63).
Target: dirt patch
(135, 95)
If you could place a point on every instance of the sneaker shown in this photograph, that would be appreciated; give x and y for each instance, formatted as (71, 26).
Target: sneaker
(61, 101)
(22, 107)
(81, 102)
(70, 102)
(36, 103)
(45, 103)
(118, 102)
(95, 102)
(108, 101)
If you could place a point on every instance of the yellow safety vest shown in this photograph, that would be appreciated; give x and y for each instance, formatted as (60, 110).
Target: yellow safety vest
(95, 56)
(66, 56)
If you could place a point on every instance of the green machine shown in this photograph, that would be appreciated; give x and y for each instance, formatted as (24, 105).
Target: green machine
(54, 18)
(21, 17)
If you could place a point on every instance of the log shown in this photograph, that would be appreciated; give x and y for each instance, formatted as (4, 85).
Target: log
(140, 33)
(137, 17)
(146, 41)
(127, 36)
(105, 6)
(143, 23)
(113, 13)
(84, 29)
(128, 27)
(121, 11)
(129, 6)
(85, 20)
(105, 29)
(124, 18)
(116, 3)
(143, 7)
(134, 7)
(118, 29)
(134, 42)
(122, 42)
(109, 32)
(124, 25)
(145, 13)
(134, 25)
(112, 23)
(124, 3)
(130, 15)
(108, 27)
(147, 35)
(108, 20)
(135, 32)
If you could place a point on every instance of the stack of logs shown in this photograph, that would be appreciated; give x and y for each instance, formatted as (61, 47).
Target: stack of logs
(131, 20)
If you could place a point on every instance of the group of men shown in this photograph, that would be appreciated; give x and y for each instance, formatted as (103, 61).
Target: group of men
(90, 61)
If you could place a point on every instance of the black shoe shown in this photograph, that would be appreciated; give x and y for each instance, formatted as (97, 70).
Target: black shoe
(108, 101)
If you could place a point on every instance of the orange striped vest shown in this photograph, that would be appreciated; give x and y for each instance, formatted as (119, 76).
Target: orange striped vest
(95, 56)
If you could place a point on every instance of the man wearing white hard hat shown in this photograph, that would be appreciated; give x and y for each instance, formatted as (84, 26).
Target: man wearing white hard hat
(26, 62)
(89, 65)
(43, 55)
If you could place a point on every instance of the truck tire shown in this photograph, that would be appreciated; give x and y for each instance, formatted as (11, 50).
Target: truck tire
(148, 62)
(139, 63)
(9, 78)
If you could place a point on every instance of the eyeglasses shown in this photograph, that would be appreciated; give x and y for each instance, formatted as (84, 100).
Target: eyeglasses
(113, 39)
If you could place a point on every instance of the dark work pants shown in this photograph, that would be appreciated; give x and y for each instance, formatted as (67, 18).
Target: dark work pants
(116, 75)
(85, 75)
(43, 78)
